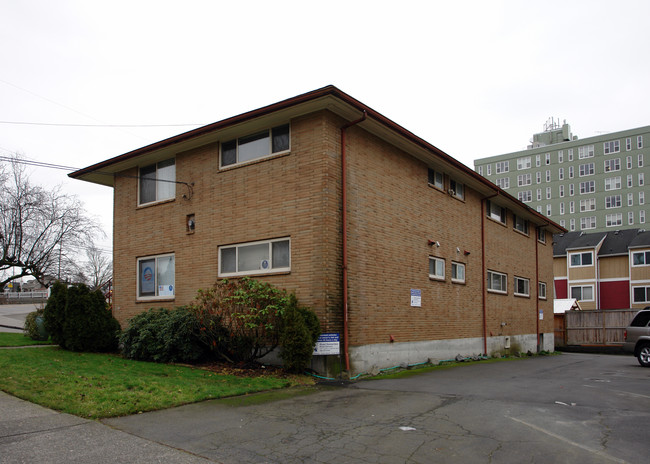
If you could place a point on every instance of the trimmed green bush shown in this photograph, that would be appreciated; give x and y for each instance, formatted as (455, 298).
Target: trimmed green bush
(163, 335)
(54, 312)
(300, 331)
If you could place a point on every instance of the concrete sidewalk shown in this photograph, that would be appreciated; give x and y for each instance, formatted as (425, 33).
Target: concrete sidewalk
(32, 434)
(12, 316)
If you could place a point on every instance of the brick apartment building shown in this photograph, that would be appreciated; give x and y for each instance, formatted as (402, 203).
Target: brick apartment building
(603, 270)
(400, 248)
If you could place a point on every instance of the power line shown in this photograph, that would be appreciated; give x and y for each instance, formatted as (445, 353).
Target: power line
(26, 123)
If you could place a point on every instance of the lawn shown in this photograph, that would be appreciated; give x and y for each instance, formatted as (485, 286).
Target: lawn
(18, 339)
(96, 386)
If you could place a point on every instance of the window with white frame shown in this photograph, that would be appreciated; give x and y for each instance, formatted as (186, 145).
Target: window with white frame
(520, 224)
(630, 199)
(156, 277)
(436, 268)
(489, 170)
(570, 172)
(525, 195)
(587, 187)
(630, 181)
(548, 175)
(560, 174)
(641, 179)
(586, 170)
(630, 218)
(639, 141)
(613, 146)
(572, 224)
(496, 212)
(547, 157)
(502, 166)
(523, 179)
(538, 161)
(572, 207)
(523, 163)
(642, 216)
(628, 144)
(457, 272)
(587, 223)
(588, 204)
(582, 292)
(571, 190)
(586, 152)
(640, 160)
(541, 235)
(497, 282)
(613, 164)
(614, 219)
(570, 154)
(642, 197)
(539, 194)
(457, 189)
(613, 201)
(562, 222)
(640, 258)
(548, 210)
(561, 208)
(522, 286)
(538, 177)
(541, 290)
(641, 294)
(612, 183)
(538, 208)
(561, 190)
(479, 169)
(436, 179)
(548, 193)
(255, 146)
(261, 257)
(157, 182)
(503, 182)
(628, 161)
(560, 156)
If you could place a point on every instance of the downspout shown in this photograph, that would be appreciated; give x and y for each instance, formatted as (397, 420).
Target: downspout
(537, 284)
(344, 220)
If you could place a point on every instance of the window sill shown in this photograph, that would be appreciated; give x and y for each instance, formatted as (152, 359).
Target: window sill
(156, 299)
(436, 279)
(155, 203)
(521, 233)
(496, 221)
(458, 282)
(251, 274)
(521, 295)
(497, 292)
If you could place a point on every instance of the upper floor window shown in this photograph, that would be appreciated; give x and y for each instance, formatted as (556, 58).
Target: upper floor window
(548, 158)
(639, 141)
(457, 189)
(628, 144)
(436, 179)
(157, 182)
(541, 234)
(613, 146)
(502, 166)
(541, 286)
(538, 160)
(613, 164)
(581, 259)
(497, 282)
(524, 179)
(479, 169)
(587, 187)
(156, 277)
(523, 163)
(258, 145)
(613, 201)
(641, 258)
(436, 268)
(457, 272)
(560, 156)
(569, 153)
(489, 170)
(588, 223)
(586, 152)
(587, 205)
(614, 220)
(629, 162)
(612, 183)
(522, 286)
(525, 196)
(262, 257)
(503, 182)
(586, 169)
(640, 158)
(496, 212)
(583, 292)
(520, 224)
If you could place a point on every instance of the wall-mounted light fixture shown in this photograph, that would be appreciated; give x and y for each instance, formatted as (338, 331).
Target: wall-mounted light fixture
(434, 242)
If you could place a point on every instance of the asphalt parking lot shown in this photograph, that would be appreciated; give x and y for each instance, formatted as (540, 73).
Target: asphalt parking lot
(571, 408)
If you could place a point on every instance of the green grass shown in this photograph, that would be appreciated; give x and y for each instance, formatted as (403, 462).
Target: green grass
(18, 339)
(99, 385)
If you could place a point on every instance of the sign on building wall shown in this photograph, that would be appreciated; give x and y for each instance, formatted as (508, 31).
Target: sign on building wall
(327, 344)
(416, 297)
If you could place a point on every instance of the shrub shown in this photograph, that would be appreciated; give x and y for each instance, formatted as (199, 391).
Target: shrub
(33, 329)
(79, 320)
(162, 335)
(240, 320)
(300, 331)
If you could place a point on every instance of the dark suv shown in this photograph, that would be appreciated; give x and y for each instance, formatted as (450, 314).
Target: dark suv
(637, 337)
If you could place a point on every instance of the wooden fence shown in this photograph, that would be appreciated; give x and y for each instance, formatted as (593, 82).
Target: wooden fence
(588, 328)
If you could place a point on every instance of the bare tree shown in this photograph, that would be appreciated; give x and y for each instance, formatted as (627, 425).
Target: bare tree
(40, 230)
(98, 269)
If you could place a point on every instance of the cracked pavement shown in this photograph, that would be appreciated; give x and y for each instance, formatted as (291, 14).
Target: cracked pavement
(573, 408)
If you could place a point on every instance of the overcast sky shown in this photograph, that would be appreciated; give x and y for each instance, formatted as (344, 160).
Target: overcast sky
(474, 78)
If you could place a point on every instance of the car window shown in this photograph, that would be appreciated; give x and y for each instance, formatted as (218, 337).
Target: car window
(641, 319)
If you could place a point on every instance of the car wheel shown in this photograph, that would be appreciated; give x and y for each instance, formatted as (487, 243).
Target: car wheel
(644, 355)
